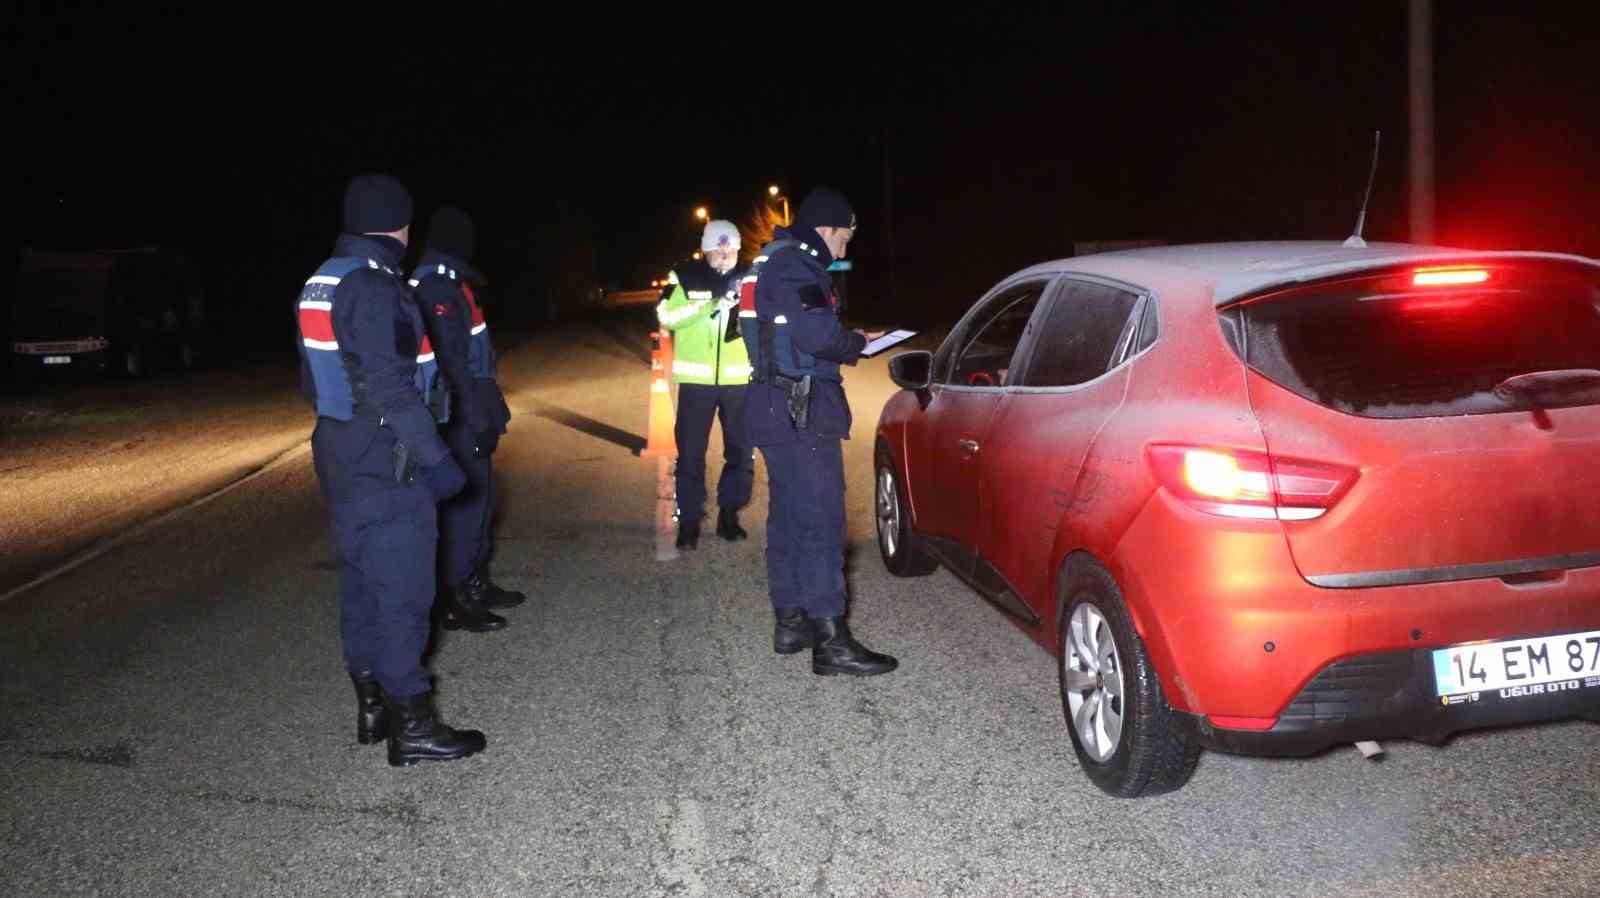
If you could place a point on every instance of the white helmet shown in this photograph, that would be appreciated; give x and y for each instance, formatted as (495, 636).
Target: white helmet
(719, 234)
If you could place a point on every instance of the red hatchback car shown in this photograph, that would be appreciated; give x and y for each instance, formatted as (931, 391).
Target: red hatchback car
(1269, 497)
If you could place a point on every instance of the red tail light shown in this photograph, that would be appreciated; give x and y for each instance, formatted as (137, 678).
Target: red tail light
(1239, 483)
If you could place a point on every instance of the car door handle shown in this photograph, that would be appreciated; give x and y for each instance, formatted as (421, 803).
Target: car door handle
(967, 447)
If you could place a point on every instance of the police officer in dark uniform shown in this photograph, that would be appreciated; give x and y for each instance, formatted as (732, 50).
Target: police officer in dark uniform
(796, 412)
(478, 416)
(381, 466)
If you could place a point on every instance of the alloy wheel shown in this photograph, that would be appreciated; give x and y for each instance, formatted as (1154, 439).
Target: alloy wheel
(1094, 683)
(888, 513)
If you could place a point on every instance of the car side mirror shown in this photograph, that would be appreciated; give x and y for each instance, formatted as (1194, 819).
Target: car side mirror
(912, 370)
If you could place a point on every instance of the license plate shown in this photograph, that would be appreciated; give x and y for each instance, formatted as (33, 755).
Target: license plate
(58, 360)
(1516, 665)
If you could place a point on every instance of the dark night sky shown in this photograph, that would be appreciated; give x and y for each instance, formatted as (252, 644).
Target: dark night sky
(1006, 131)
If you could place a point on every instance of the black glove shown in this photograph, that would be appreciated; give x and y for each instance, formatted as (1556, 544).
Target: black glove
(444, 479)
(492, 400)
(486, 441)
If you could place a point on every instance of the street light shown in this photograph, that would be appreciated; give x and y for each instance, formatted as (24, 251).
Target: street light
(773, 192)
(700, 213)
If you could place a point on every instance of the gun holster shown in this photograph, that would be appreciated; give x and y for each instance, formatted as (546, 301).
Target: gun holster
(799, 399)
(405, 466)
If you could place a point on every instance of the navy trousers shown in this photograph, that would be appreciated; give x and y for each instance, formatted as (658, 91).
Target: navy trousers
(806, 526)
(464, 518)
(385, 545)
(697, 405)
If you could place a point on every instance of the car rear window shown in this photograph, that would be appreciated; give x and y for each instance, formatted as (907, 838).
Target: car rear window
(1431, 341)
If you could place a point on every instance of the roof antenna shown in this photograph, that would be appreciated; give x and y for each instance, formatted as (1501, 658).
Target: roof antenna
(1354, 240)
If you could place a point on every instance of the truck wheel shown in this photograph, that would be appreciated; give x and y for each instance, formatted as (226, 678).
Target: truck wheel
(24, 372)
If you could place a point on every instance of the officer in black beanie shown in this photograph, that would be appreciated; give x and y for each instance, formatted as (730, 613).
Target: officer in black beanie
(796, 412)
(381, 466)
(443, 281)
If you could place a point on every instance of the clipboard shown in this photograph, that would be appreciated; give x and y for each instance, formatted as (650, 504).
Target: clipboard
(884, 342)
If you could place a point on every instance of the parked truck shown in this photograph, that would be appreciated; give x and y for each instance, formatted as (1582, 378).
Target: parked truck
(129, 312)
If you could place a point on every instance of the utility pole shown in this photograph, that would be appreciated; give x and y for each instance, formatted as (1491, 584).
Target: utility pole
(1421, 57)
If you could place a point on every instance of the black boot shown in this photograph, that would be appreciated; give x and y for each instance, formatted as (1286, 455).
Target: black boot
(464, 610)
(494, 596)
(792, 632)
(836, 653)
(728, 525)
(689, 534)
(415, 734)
(372, 724)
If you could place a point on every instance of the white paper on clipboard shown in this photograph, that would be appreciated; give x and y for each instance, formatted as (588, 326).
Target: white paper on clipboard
(884, 342)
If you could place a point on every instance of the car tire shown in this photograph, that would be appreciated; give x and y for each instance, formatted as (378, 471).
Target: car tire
(1122, 728)
(902, 552)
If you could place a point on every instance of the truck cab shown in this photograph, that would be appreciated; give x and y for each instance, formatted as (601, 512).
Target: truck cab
(89, 312)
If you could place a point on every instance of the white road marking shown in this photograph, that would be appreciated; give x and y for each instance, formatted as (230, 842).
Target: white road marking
(99, 549)
(683, 829)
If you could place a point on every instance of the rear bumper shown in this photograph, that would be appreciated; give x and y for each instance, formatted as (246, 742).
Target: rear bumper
(1236, 632)
(43, 348)
(64, 362)
(1388, 696)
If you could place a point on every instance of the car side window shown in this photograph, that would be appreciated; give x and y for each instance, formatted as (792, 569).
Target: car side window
(1078, 341)
(1150, 328)
(983, 356)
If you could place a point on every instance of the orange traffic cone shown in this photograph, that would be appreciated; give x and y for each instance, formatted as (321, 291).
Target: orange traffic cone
(660, 441)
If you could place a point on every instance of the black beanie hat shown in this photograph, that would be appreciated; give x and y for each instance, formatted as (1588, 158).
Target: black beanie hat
(825, 208)
(451, 231)
(376, 204)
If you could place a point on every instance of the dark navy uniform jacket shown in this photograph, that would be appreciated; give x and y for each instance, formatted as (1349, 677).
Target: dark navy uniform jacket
(454, 323)
(379, 332)
(795, 296)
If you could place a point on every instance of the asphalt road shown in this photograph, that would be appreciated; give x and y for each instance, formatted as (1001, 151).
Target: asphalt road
(176, 722)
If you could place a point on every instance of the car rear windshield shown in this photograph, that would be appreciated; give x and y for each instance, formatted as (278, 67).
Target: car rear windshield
(1431, 341)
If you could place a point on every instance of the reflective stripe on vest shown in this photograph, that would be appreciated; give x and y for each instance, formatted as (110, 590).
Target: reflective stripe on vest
(690, 369)
(480, 358)
(428, 378)
(671, 319)
(320, 346)
(480, 353)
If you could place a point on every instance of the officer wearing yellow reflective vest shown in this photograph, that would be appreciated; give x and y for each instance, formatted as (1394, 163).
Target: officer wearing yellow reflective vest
(711, 367)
